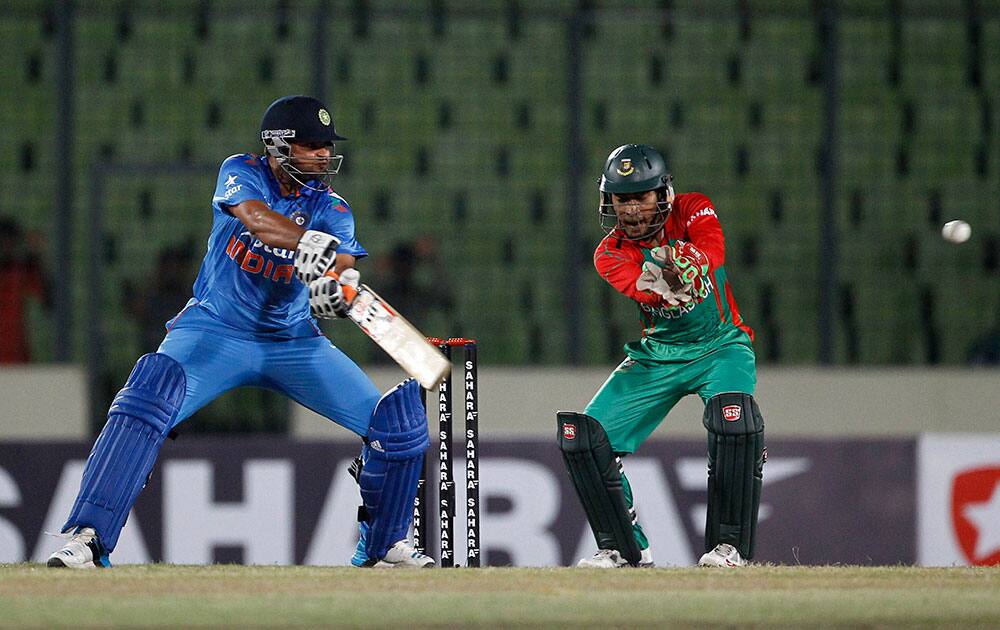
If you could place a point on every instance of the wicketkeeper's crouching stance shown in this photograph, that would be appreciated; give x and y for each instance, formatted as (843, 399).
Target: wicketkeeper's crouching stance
(666, 252)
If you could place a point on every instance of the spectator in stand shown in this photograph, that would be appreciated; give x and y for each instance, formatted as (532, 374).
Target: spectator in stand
(21, 279)
(151, 304)
(412, 280)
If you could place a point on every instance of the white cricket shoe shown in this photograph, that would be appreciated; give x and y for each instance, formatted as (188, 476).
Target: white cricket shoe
(724, 555)
(83, 551)
(612, 559)
(402, 555)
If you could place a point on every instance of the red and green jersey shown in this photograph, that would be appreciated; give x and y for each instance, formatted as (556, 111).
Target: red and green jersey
(668, 331)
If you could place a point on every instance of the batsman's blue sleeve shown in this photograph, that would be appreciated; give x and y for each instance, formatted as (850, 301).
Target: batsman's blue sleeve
(335, 217)
(239, 180)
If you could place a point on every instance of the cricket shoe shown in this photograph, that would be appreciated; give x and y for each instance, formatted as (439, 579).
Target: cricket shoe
(403, 555)
(411, 558)
(724, 555)
(83, 551)
(612, 559)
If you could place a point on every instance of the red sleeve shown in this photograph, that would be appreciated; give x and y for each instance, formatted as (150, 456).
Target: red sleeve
(621, 267)
(33, 281)
(702, 228)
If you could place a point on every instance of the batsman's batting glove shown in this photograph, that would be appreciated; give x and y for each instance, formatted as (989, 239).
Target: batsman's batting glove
(327, 295)
(315, 255)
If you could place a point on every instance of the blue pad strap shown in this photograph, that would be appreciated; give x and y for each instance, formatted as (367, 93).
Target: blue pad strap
(393, 458)
(123, 456)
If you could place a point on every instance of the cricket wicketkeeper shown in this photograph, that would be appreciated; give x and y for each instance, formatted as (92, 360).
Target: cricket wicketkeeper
(666, 252)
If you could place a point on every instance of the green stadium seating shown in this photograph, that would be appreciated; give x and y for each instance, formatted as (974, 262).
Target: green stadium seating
(989, 45)
(28, 147)
(776, 57)
(870, 132)
(866, 55)
(459, 129)
(934, 53)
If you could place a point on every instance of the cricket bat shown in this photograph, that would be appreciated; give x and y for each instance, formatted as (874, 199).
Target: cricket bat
(399, 338)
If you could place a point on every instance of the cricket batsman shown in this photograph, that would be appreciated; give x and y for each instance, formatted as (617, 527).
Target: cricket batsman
(277, 229)
(665, 252)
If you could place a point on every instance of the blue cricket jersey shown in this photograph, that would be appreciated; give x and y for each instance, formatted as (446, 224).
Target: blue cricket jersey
(250, 286)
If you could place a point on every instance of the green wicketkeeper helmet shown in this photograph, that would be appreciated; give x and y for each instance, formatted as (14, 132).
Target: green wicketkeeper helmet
(635, 168)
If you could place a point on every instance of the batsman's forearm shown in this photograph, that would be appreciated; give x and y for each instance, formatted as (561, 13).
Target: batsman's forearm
(344, 261)
(267, 225)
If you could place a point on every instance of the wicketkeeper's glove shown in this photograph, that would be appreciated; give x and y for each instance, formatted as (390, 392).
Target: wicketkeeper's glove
(686, 265)
(652, 279)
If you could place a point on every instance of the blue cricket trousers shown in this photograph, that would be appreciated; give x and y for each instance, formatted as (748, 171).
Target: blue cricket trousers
(308, 369)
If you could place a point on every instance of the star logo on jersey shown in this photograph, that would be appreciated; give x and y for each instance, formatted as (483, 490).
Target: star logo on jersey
(625, 168)
(975, 514)
(230, 180)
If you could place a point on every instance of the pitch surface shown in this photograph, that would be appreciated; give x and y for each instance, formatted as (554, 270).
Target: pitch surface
(231, 595)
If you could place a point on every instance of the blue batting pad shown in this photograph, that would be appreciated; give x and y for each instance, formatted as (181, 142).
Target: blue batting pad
(119, 464)
(393, 459)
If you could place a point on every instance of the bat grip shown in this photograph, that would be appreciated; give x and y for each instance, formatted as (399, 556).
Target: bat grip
(349, 292)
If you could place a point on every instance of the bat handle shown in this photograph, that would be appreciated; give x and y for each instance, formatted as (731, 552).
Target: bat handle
(349, 291)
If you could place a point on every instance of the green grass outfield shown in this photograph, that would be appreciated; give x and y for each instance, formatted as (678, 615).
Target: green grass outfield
(231, 595)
